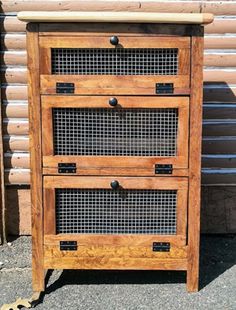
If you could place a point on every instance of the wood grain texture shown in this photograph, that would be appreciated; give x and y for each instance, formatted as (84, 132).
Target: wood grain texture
(125, 182)
(105, 251)
(119, 263)
(117, 17)
(115, 85)
(114, 240)
(36, 160)
(195, 164)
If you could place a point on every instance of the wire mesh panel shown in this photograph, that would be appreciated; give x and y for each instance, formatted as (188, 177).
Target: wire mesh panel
(104, 211)
(117, 61)
(118, 132)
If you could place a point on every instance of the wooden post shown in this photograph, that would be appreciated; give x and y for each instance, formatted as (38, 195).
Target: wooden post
(3, 232)
(36, 157)
(195, 126)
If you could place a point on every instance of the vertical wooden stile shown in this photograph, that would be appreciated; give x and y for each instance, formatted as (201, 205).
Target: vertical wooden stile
(195, 127)
(36, 160)
(3, 230)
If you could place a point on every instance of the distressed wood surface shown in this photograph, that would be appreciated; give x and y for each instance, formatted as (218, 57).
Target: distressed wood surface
(36, 158)
(195, 132)
(220, 46)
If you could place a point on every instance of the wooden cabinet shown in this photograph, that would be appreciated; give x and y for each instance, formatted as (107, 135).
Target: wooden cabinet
(115, 125)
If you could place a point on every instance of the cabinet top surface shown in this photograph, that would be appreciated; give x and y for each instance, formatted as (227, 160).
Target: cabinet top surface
(116, 17)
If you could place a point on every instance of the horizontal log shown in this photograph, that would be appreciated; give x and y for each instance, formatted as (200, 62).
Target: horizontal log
(19, 75)
(227, 76)
(13, 58)
(15, 126)
(219, 7)
(209, 176)
(219, 128)
(11, 24)
(16, 143)
(16, 75)
(219, 111)
(219, 145)
(142, 6)
(214, 92)
(17, 176)
(16, 160)
(12, 41)
(215, 7)
(220, 42)
(19, 109)
(21, 161)
(14, 92)
(15, 109)
(219, 58)
(221, 25)
(219, 92)
(219, 161)
(219, 176)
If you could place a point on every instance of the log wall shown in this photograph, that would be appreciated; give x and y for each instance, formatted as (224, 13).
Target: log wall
(219, 124)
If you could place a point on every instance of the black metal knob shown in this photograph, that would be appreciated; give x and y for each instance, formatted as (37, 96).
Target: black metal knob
(114, 184)
(114, 40)
(113, 102)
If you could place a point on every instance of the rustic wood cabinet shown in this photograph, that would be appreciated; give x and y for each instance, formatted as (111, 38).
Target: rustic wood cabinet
(115, 103)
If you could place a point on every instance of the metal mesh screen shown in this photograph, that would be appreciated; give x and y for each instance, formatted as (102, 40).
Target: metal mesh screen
(124, 132)
(117, 61)
(104, 211)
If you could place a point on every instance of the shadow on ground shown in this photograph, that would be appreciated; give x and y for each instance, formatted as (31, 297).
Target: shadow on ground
(218, 253)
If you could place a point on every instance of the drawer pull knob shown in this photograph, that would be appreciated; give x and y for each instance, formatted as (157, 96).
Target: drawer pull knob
(113, 102)
(114, 184)
(114, 40)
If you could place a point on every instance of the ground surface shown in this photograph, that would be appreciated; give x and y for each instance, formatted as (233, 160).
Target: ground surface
(75, 290)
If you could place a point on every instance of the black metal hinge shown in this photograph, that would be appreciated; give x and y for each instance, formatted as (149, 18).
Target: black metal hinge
(163, 169)
(161, 247)
(164, 88)
(68, 245)
(65, 88)
(67, 168)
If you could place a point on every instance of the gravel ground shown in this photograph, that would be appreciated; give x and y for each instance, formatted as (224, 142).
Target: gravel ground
(113, 290)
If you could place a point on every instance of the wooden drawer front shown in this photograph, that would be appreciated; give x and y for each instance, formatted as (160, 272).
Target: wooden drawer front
(134, 66)
(130, 138)
(138, 206)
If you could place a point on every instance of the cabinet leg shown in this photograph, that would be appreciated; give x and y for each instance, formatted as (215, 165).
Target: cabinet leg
(38, 279)
(193, 279)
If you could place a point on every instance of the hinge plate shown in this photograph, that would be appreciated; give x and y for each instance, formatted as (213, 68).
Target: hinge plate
(163, 169)
(161, 247)
(66, 168)
(68, 245)
(65, 88)
(164, 88)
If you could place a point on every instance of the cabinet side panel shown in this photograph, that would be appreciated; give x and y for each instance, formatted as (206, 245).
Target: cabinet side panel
(35, 157)
(195, 163)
